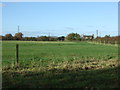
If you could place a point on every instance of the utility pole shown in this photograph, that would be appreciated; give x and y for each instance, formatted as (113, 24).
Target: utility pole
(18, 28)
(97, 32)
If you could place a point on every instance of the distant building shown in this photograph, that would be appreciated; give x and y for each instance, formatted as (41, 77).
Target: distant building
(88, 37)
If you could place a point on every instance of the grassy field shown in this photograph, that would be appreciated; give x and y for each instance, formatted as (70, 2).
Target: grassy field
(59, 64)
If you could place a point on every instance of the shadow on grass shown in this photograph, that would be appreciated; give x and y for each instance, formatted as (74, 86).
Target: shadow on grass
(61, 78)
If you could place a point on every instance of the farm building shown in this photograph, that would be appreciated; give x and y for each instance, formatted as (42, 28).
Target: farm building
(88, 37)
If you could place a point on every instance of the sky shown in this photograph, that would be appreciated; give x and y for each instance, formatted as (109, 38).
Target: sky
(60, 18)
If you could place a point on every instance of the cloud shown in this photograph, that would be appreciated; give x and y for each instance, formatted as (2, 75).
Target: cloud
(69, 28)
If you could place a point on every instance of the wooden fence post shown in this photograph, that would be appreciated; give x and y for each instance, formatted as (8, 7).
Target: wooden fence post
(17, 53)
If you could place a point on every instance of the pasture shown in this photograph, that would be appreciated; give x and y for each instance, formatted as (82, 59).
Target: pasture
(59, 64)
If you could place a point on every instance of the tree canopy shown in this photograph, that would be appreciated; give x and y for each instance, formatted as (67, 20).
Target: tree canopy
(72, 37)
(8, 37)
(18, 36)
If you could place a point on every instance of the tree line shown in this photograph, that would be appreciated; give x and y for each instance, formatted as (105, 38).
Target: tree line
(69, 37)
(108, 40)
(19, 36)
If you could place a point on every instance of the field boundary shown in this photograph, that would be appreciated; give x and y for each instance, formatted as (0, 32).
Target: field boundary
(115, 45)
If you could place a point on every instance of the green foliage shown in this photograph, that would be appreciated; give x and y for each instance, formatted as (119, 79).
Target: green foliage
(73, 37)
(107, 36)
(29, 39)
(18, 36)
(8, 37)
(61, 38)
(43, 38)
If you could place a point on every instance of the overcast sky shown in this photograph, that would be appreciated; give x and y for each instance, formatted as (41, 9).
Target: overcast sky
(60, 18)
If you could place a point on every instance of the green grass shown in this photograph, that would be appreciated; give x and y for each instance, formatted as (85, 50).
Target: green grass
(59, 64)
(55, 51)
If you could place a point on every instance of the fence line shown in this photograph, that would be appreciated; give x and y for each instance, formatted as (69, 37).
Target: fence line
(104, 43)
